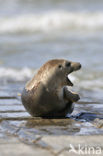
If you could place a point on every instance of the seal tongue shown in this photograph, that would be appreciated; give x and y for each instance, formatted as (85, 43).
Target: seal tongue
(69, 82)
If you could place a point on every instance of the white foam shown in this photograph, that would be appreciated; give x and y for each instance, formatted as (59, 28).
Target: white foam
(49, 21)
(10, 74)
(95, 84)
(23, 74)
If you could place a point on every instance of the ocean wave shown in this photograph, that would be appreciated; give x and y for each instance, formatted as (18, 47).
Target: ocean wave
(24, 74)
(92, 84)
(15, 75)
(92, 81)
(49, 21)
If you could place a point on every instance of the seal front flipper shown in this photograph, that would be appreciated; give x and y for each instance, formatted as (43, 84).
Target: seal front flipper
(69, 95)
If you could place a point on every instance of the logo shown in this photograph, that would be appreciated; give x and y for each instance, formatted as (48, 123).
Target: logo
(82, 150)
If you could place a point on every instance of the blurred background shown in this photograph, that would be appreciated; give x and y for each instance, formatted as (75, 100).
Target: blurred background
(34, 31)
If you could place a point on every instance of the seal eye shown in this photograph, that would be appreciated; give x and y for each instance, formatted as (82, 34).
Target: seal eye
(60, 66)
(68, 64)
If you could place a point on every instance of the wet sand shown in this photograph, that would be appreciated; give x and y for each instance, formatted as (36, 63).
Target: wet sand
(51, 146)
(22, 134)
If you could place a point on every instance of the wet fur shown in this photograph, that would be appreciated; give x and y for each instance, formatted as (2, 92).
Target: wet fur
(46, 95)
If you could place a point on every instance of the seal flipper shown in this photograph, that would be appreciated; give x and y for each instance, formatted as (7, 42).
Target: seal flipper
(69, 95)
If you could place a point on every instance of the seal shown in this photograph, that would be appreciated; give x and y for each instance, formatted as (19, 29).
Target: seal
(47, 94)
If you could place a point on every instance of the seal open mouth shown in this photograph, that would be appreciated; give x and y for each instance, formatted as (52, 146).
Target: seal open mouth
(74, 67)
(69, 81)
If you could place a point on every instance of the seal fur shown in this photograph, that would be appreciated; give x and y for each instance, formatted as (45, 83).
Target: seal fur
(47, 93)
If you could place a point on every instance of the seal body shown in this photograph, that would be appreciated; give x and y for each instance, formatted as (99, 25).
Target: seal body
(47, 93)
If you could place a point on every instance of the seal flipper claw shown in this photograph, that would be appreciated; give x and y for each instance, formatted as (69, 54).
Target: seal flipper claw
(71, 96)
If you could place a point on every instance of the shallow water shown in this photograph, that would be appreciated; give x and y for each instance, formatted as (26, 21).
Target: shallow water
(32, 32)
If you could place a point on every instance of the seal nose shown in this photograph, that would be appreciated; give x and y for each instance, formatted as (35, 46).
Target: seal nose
(79, 66)
(76, 65)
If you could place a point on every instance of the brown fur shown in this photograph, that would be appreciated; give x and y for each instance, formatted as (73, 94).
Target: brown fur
(44, 94)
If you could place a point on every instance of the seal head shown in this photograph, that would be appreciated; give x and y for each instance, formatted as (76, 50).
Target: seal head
(47, 93)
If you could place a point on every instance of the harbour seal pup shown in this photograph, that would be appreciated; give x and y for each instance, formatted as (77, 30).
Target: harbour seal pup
(47, 93)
